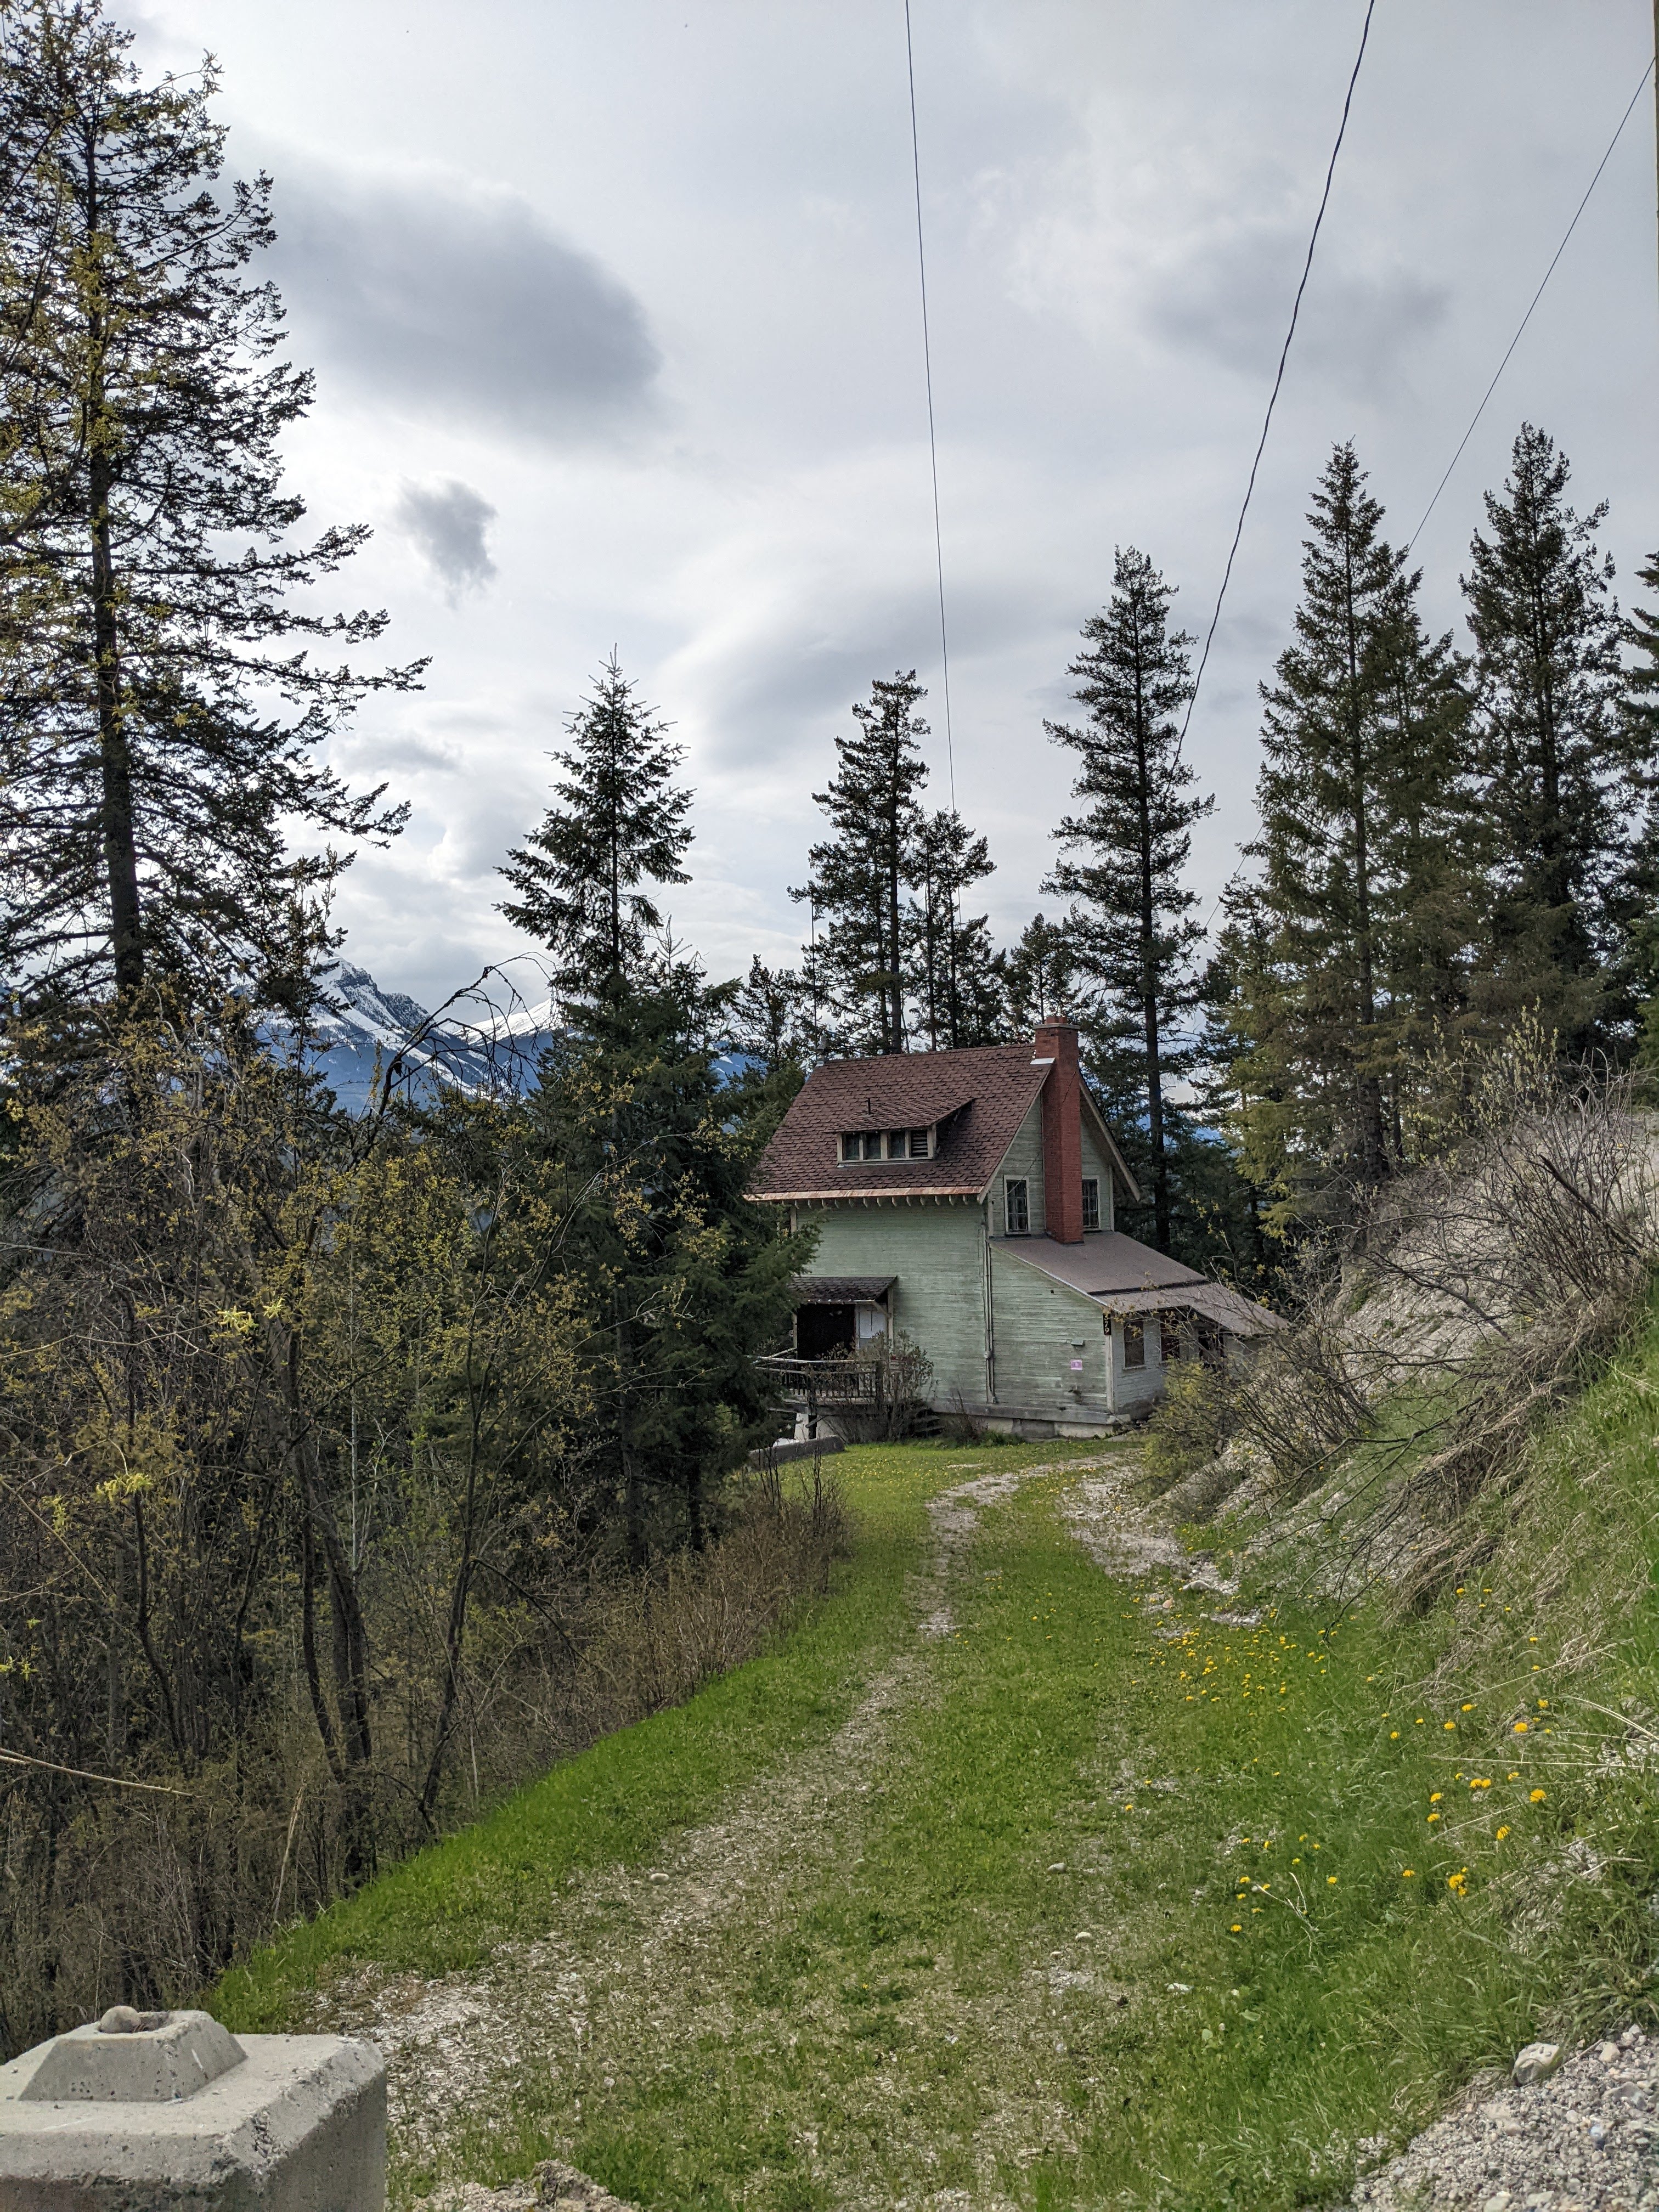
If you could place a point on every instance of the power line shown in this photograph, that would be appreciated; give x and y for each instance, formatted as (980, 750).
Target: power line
(932, 443)
(1285, 355)
(1536, 297)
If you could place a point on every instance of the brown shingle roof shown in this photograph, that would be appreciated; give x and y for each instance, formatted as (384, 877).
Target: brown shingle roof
(980, 1094)
(1125, 1276)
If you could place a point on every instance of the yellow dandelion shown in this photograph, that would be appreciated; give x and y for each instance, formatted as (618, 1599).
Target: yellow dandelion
(1520, 1728)
(1405, 1873)
(1502, 1833)
(1537, 1797)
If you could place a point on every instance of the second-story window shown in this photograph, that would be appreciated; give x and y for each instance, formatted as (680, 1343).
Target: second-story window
(1015, 1210)
(1091, 1202)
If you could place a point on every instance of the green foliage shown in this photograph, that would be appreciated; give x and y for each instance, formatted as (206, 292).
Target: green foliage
(1132, 929)
(619, 823)
(1344, 955)
(1561, 764)
(163, 717)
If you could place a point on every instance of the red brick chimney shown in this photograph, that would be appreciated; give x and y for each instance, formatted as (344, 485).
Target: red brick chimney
(1062, 1132)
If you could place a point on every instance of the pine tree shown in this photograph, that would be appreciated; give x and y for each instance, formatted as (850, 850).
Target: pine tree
(950, 956)
(1132, 925)
(161, 716)
(1038, 976)
(860, 877)
(1560, 764)
(1347, 948)
(618, 822)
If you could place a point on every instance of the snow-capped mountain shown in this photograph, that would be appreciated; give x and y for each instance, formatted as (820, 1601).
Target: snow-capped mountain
(477, 1043)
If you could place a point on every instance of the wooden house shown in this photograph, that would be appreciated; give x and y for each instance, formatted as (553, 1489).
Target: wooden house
(966, 1201)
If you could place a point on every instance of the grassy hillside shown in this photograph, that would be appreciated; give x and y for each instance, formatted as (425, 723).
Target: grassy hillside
(1126, 1902)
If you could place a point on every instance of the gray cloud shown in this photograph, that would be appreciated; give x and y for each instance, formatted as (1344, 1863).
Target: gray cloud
(1231, 299)
(445, 297)
(448, 521)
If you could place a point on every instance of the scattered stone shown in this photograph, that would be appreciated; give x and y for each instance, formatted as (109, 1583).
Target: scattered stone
(561, 2188)
(1535, 2063)
(1577, 2136)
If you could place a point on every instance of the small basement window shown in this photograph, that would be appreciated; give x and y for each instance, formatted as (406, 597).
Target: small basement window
(1016, 1209)
(1090, 1203)
(1134, 1343)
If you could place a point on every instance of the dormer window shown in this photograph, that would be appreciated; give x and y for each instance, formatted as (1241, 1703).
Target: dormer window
(888, 1144)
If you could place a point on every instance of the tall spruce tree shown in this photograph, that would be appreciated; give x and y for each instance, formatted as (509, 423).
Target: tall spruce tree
(950, 955)
(1132, 925)
(1346, 950)
(860, 877)
(161, 715)
(617, 824)
(1038, 977)
(1561, 766)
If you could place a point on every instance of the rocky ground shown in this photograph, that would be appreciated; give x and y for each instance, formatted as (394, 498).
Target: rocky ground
(1583, 2139)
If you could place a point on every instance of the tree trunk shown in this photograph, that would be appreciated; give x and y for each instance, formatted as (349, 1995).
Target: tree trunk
(118, 829)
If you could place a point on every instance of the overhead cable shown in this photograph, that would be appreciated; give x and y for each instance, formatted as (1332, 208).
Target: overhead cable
(1536, 297)
(1284, 355)
(932, 443)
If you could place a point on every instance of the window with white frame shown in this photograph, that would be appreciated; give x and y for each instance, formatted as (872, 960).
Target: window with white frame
(1015, 1206)
(1090, 1203)
(1135, 1341)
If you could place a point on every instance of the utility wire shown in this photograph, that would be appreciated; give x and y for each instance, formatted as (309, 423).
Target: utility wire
(1536, 297)
(1285, 355)
(932, 443)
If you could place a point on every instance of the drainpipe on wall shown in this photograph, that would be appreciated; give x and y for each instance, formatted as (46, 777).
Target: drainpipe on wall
(990, 1317)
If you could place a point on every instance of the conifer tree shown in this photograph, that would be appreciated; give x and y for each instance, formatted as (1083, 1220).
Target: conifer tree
(951, 954)
(1132, 925)
(619, 824)
(860, 876)
(160, 714)
(1560, 765)
(1038, 976)
(1347, 944)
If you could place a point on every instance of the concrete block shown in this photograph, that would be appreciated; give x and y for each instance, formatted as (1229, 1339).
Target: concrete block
(174, 2112)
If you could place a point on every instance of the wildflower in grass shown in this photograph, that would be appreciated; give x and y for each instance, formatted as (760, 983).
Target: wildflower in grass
(1434, 1816)
(1448, 1724)
(1520, 1728)
(1537, 1797)
(1405, 1873)
(1393, 1734)
(1468, 1708)
(1458, 1883)
(1543, 1705)
(1502, 1833)
(1435, 1796)
(1330, 1881)
(1516, 1775)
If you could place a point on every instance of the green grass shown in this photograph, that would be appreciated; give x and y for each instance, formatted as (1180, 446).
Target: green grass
(1098, 1792)
(447, 1908)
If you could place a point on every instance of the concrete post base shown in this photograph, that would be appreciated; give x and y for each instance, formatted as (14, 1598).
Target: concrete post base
(176, 2113)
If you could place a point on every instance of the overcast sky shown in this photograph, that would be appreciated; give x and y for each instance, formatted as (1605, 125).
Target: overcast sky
(614, 309)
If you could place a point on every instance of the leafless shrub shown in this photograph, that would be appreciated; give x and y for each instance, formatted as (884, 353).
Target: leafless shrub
(1486, 1284)
(896, 1401)
(123, 1893)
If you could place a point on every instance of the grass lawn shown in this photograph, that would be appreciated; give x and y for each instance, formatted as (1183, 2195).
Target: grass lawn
(1131, 1904)
(447, 1908)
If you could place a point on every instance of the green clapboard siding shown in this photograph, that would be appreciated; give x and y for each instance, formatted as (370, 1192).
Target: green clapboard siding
(1037, 1322)
(938, 1254)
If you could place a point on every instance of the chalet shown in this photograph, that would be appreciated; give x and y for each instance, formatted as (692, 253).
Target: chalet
(966, 1201)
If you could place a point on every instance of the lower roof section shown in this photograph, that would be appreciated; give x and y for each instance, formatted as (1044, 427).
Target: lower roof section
(1125, 1276)
(842, 1289)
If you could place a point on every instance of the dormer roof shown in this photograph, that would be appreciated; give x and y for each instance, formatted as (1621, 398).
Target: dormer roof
(977, 1099)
